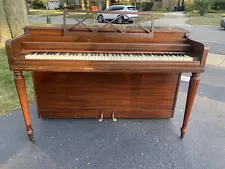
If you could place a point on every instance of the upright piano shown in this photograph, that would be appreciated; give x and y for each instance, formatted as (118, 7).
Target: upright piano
(105, 72)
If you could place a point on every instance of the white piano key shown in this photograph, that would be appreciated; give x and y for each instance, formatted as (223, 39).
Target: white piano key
(108, 56)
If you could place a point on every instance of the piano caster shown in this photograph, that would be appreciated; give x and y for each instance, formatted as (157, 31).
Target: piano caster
(183, 132)
(30, 133)
(192, 89)
(31, 137)
(101, 117)
(113, 117)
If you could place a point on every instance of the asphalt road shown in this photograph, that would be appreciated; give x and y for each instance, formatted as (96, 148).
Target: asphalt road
(214, 37)
(125, 144)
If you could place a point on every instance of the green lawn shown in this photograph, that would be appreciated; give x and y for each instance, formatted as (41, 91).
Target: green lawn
(212, 19)
(8, 95)
(43, 12)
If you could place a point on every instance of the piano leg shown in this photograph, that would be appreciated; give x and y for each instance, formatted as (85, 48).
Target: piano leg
(22, 93)
(193, 86)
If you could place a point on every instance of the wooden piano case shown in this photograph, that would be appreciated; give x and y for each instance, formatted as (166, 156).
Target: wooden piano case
(116, 89)
(88, 94)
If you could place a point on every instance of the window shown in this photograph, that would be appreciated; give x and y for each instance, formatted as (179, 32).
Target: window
(116, 8)
(131, 8)
(109, 9)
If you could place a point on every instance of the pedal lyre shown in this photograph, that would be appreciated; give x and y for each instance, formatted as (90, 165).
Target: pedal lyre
(101, 117)
(113, 117)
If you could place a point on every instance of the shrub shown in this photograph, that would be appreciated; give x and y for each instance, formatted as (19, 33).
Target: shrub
(202, 6)
(123, 3)
(138, 5)
(147, 6)
(73, 7)
(218, 5)
(37, 4)
(189, 6)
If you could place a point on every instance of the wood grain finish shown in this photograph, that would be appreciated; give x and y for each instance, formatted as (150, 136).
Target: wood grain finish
(51, 39)
(85, 46)
(22, 93)
(14, 47)
(85, 89)
(85, 95)
(193, 86)
(199, 49)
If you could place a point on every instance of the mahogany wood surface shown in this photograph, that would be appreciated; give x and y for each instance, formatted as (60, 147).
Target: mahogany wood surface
(51, 39)
(85, 89)
(85, 95)
(22, 93)
(91, 46)
(193, 86)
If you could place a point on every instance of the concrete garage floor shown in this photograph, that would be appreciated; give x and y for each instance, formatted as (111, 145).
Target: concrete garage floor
(125, 144)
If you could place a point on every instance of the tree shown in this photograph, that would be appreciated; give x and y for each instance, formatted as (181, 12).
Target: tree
(4, 27)
(202, 6)
(26, 2)
(180, 5)
(13, 18)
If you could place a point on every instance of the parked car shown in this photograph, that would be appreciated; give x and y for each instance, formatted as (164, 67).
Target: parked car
(120, 20)
(222, 22)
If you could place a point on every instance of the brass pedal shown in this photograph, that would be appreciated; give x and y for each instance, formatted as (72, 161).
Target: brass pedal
(101, 117)
(113, 117)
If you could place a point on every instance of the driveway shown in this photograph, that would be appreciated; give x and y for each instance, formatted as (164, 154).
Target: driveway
(214, 37)
(125, 144)
(211, 36)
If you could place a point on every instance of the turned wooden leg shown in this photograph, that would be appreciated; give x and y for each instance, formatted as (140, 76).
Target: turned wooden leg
(193, 86)
(22, 93)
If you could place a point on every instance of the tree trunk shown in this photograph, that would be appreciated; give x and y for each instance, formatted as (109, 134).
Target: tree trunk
(107, 3)
(182, 5)
(16, 16)
(26, 3)
(178, 4)
(99, 2)
(4, 27)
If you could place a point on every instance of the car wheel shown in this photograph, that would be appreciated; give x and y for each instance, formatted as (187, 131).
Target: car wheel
(130, 21)
(100, 19)
(120, 20)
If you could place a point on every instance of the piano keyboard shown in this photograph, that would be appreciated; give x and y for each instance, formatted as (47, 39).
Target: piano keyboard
(109, 56)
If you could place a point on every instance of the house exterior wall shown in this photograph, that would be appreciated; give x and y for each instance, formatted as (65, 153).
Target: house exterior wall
(162, 4)
(169, 4)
